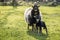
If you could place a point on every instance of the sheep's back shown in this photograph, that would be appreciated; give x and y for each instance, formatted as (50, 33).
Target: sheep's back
(27, 14)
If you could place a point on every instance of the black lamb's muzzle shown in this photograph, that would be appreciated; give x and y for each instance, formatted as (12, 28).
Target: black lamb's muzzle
(35, 9)
(37, 17)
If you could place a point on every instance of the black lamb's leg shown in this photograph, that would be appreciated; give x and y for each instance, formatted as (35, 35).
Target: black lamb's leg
(40, 29)
(45, 28)
(40, 26)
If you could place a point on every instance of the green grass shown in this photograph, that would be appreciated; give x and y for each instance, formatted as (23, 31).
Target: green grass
(13, 26)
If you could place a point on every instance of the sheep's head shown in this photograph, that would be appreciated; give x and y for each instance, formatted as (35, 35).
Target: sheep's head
(35, 8)
(35, 13)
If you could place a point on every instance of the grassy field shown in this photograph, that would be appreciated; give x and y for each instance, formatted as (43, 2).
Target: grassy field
(13, 26)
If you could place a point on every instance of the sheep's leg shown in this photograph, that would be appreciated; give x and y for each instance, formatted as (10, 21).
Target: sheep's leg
(37, 28)
(32, 27)
(46, 31)
(28, 26)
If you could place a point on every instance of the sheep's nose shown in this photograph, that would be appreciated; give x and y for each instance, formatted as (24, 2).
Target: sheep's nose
(35, 10)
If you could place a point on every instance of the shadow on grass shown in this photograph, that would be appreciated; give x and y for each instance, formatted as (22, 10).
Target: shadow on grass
(37, 36)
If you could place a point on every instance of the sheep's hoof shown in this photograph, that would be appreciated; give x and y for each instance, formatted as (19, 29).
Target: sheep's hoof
(39, 34)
